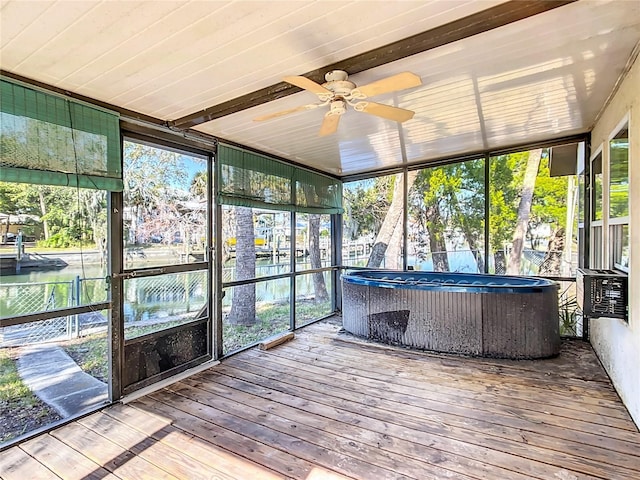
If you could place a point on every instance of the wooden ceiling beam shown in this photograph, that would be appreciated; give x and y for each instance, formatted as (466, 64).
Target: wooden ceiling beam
(495, 17)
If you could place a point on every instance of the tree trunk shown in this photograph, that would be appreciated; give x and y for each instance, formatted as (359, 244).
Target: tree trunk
(394, 214)
(243, 303)
(572, 206)
(319, 286)
(475, 248)
(437, 244)
(395, 247)
(500, 262)
(43, 209)
(552, 260)
(524, 211)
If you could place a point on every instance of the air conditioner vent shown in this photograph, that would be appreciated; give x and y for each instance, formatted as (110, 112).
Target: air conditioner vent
(602, 293)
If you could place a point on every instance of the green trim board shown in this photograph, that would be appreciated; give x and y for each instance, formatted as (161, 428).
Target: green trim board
(49, 139)
(249, 179)
(42, 177)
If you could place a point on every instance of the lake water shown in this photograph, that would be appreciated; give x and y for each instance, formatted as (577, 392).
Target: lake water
(44, 289)
(63, 275)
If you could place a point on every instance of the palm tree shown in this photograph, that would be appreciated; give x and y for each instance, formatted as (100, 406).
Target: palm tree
(319, 286)
(243, 304)
(198, 185)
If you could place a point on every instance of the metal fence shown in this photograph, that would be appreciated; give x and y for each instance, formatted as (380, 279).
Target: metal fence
(164, 297)
(148, 301)
(27, 298)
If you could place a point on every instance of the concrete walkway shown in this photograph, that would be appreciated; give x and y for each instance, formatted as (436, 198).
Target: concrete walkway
(57, 380)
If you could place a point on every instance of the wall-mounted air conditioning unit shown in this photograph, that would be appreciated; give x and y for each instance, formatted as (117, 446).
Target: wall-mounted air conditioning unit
(602, 293)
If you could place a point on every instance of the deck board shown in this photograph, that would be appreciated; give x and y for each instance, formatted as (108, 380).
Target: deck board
(349, 413)
(282, 462)
(446, 430)
(470, 388)
(63, 460)
(121, 462)
(324, 433)
(163, 456)
(329, 406)
(16, 464)
(160, 429)
(388, 398)
(287, 442)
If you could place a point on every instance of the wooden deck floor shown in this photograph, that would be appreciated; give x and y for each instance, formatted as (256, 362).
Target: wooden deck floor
(327, 407)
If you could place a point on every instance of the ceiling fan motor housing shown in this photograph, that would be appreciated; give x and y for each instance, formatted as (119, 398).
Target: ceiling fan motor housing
(336, 75)
(340, 89)
(337, 83)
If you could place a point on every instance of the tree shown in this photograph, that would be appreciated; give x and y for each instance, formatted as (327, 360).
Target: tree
(155, 182)
(394, 250)
(243, 304)
(198, 186)
(552, 262)
(524, 211)
(504, 177)
(391, 219)
(468, 206)
(431, 192)
(552, 203)
(366, 203)
(70, 216)
(445, 205)
(8, 204)
(319, 286)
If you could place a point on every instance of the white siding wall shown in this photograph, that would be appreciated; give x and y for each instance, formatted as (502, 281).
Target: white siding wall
(616, 343)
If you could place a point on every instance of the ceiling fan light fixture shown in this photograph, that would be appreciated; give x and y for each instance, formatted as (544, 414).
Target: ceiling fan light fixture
(338, 107)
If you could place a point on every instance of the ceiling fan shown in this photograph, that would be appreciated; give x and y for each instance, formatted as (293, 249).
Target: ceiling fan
(338, 92)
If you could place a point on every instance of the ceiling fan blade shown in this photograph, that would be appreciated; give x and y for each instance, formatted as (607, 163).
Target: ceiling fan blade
(307, 84)
(269, 116)
(389, 84)
(329, 124)
(385, 111)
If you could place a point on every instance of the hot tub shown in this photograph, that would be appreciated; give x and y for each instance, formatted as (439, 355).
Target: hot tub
(472, 314)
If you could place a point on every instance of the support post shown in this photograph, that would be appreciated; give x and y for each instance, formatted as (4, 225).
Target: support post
(77, 285)
(115, 246)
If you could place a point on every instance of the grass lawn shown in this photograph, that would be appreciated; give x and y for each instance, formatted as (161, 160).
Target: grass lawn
(272, 319)
(20, 410)
(90, 353)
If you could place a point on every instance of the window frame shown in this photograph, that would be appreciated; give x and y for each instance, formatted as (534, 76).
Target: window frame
(616, 224)
(596, 226)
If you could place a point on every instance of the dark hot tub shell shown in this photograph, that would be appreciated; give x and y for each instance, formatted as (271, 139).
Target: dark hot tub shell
(472, 314)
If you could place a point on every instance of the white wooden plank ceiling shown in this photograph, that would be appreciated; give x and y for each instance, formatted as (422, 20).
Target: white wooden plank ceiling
(543, 77)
